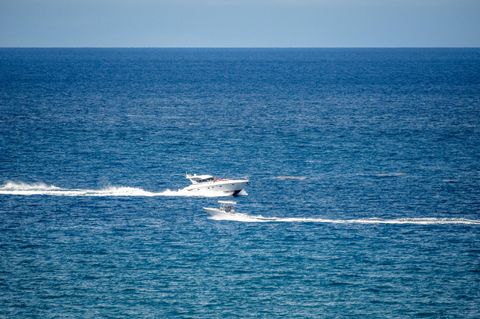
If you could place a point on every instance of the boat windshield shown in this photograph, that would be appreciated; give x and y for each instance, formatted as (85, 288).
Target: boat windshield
(227, 206)
(200, 178)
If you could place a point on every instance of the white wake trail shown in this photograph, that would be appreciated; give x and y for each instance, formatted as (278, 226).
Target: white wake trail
(25, 189)
(241, 217)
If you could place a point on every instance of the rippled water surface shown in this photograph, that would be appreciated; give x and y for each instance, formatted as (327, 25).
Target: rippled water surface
(364, 194)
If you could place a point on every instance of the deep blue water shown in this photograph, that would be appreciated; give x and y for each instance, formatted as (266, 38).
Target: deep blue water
(368, 133)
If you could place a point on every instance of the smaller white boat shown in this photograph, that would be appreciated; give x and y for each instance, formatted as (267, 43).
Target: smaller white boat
(226, 207)
(215, 184)
(227, 211)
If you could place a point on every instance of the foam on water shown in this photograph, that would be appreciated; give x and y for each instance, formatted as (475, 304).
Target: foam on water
(241, 217)
(25, 189)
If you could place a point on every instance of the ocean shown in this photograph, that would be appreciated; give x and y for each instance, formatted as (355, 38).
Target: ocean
(363, 201)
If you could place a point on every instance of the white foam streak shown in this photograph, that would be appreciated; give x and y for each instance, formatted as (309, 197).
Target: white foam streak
(240, 217)
(24, 189)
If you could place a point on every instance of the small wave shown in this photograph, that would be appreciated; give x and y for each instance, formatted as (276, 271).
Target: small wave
(290, 177)
(241, 217)
(451, 181)
(25, 189)
(390, 174)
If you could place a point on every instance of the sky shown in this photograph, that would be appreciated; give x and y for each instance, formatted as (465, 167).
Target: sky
(239, 23)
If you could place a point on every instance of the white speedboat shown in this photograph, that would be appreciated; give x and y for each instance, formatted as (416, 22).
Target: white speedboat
(215, 184)
(227, 211)
(226, 206)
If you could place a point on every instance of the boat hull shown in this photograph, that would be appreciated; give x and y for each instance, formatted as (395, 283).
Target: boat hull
(231, 186)
(214, 211)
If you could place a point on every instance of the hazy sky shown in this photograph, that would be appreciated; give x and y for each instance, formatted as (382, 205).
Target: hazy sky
(240, 23)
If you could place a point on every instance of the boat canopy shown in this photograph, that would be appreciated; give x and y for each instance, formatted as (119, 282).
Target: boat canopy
(200, 178)
(227, 202)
